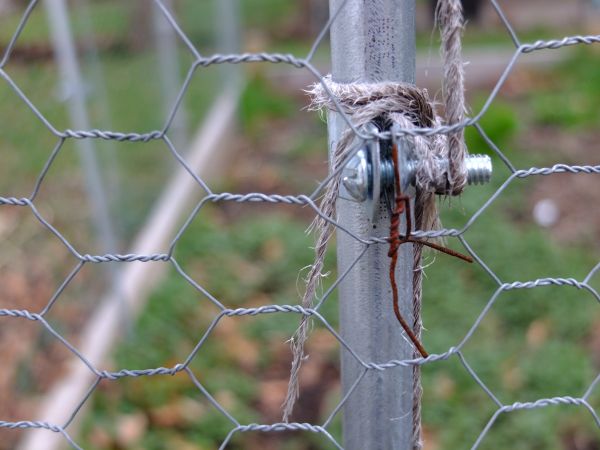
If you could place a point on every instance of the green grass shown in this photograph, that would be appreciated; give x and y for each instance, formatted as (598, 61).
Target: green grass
(502, 351)
(532, 343)
(237, 265)
(570, 99)
(109, 20)
(133, 104)
(455, 293)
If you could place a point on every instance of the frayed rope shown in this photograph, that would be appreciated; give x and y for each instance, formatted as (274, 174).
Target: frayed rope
(406, 106)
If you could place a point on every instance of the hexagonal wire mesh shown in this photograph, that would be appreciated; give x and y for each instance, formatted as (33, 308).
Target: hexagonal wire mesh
(304, 62)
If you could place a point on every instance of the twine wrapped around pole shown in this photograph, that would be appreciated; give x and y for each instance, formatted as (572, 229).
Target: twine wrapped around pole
(409, 107)
(449, 16)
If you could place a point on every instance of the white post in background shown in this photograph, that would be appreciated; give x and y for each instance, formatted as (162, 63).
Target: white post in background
(168, 68)
(97, 98)
(72, 84)
(372, 41)
(227, 18)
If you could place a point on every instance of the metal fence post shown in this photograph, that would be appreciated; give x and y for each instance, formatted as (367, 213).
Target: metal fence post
(373, 40)
(72, 84)
(165, 42)
(228, 38)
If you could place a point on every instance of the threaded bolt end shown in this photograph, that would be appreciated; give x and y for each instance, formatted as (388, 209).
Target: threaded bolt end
(479, 169)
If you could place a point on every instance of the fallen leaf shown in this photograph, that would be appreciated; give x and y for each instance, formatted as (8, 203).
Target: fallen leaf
(512, 378)
(444, 386)
(272, 250)
(130, 428)
(184, 411)
(271, 396)
(99, 437)
(243, 351)
(537, 333)
(430, 439)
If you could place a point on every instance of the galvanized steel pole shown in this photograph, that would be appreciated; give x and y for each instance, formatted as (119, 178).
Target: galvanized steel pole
(165, 41)
(373, 40)
(228, 39)
(73, 87)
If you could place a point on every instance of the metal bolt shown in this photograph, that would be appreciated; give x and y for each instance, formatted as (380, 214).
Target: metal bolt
(362, 175)
(356, 177)
(479, 169)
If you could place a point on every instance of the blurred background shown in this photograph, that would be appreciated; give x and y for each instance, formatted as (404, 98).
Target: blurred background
(99, 194)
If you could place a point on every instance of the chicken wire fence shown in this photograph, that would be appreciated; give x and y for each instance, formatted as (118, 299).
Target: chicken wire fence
(364, 241)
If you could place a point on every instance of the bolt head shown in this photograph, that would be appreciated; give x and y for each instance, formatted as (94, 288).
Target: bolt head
(355, 176)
